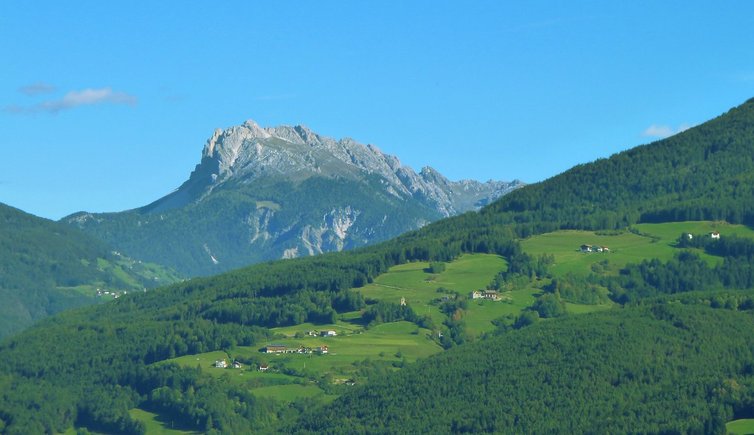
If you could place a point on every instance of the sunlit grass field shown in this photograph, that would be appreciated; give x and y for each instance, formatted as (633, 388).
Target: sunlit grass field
(648, 241)
(413, 282)
(740, 427)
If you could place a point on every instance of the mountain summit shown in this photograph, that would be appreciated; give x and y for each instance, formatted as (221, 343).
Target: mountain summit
(282, 192)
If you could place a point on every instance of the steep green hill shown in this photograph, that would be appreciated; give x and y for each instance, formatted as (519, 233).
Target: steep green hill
(47, 267)
(689, 363)
(704, 173)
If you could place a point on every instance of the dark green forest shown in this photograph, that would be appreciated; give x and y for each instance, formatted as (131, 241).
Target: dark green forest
(674, 358)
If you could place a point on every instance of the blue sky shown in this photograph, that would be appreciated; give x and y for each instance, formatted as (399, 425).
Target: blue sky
(105, 106)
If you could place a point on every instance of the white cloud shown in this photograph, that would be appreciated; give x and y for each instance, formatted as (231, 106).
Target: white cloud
(663, 131)
(85, 97)
(37, 89)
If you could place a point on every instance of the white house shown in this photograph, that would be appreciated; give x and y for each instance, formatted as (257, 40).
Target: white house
(321, 349)
(485, 294)
(714, 235)
(329, 333)
(221, 364)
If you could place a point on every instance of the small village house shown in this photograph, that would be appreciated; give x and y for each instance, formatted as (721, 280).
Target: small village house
(594, 248)
(485, 294)
(263, 367)
(329, 333)
(714, 235)
(221, 364)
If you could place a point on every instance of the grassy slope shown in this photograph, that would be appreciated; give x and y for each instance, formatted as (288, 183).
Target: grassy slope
(156, 425)
(740, 427)
(468, 273)
(390, 343)
(652, 241)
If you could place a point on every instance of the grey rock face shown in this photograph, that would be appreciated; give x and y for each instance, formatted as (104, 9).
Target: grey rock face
(248, 152)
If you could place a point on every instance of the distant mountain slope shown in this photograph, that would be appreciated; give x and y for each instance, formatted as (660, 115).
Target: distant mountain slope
(46, 267)
(282, 192)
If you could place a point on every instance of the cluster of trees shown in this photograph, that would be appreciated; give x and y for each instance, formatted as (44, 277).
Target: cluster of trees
(522, 268)
(580, 289)
(292, 309)
(386, 312)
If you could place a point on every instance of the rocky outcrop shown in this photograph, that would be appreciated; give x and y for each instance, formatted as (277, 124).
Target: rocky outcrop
(249, 152)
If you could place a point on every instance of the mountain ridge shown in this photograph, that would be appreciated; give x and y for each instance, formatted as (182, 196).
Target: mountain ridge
(280, 192)
(249, 151)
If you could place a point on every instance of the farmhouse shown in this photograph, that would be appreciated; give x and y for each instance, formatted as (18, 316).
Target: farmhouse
(714, 235)
(322, 350)
(237, 365)
(329, 333)
(263, 367)
(221, 364)
(275, 348)
(594, 248)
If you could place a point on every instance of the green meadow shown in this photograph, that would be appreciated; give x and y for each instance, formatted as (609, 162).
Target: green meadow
(419, 287)
(292, 376)
(740, 427)
(155, 424)
(290, 392)
(640, 242)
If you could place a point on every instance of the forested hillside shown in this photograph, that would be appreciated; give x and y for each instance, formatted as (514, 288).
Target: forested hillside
(704, 173)
(688, 368)
(665, 368)
(46, 267)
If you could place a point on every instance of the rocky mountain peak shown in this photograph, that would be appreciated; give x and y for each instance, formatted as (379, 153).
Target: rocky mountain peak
(261, 193)
(249, 152)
